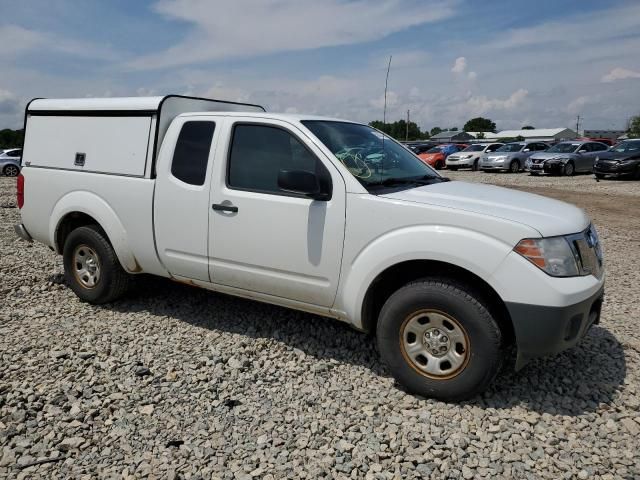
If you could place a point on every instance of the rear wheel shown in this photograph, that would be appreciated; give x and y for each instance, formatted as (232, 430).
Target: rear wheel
(439, 165)
(474, 167)
(439, 340)
(514, 166)
(11, 171)
(91, 267)
(569, 169)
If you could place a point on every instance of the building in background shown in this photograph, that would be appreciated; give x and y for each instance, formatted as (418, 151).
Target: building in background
(452, 136)
(537, 134)
(610, 134)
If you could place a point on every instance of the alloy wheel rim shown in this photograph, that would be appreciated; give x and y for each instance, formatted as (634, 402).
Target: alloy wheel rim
(434, 344)
(86, 266)
(12, 171)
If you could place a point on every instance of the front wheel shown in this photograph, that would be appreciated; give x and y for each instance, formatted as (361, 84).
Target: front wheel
(91, 267)
(439, 340)
(439, 165)
(569, 169)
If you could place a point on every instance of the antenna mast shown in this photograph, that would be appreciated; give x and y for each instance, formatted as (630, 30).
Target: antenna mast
(386, 84)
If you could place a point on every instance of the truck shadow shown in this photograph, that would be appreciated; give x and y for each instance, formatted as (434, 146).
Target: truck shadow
(572, 383)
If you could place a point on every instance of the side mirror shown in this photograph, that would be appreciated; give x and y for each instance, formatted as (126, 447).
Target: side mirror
(301, 182)
(526, 150)
(582, 150)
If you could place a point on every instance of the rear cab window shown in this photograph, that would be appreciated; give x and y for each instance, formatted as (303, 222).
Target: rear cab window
(191, 155)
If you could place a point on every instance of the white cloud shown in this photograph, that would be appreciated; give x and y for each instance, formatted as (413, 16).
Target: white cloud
(460, 65)
(17, 41)
(472, 75)
(482, 104)
(8, 102)
(619, 74)
(258, 27)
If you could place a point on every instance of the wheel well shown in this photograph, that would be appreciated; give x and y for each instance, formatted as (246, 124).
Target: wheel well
(68, 224)
(393, 278)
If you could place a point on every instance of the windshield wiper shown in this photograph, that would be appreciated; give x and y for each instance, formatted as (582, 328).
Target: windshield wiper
(425, 180)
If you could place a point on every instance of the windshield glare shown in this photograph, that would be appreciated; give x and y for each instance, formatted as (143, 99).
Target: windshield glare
(626, 147)
(361, 149)
(510, 147)
(474, 148)
(564, 148)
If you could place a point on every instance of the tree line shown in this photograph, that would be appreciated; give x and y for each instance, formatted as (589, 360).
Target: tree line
(399, 130)
(11, 138)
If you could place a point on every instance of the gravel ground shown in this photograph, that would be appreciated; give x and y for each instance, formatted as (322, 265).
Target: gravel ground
(176, 382)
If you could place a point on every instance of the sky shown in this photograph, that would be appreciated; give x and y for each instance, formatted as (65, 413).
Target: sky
(533, 62)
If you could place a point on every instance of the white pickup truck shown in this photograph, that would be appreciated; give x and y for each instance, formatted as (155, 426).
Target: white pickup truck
(316, 214)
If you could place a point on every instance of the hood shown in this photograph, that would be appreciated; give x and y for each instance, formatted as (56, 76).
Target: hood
(548, 216)
(501, 154)
(607, 155)
(549, 156)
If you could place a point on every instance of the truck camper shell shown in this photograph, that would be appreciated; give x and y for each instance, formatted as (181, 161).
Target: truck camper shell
(118, 136)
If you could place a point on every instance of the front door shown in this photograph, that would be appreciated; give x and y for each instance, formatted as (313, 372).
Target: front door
(181, 198)
(263, 239)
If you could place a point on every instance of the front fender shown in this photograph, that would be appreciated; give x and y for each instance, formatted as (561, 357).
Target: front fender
(96, 207)
(470, 250)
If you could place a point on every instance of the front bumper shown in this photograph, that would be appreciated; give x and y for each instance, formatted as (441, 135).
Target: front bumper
(614, 170)
(542, 330)
(494, 166)
(21, 231)
(546, 167)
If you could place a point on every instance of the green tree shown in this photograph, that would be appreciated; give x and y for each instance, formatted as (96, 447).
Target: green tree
(11, 138)
(480, 136)
(479, 124)
(453, 129)
(634, 127)
(435, 131)
(398, 130)
(528, 127)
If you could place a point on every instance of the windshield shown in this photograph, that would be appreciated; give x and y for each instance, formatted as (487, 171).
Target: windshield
(627, 146)
(564, 148)
(510, 147)
(475, 148)
(435, 150)
(361, 149)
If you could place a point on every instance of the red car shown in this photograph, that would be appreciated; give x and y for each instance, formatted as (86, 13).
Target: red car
(436, 156)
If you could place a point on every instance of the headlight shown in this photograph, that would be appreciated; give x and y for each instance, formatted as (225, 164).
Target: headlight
(552, 255)
(469, 155)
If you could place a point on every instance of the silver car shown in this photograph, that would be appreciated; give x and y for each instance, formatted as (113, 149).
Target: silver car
(511, 156)
(470, 156)
(10, 162)
(566, 158)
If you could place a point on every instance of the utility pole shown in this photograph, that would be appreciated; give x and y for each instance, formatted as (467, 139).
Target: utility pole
(578, 125)
(406, 137)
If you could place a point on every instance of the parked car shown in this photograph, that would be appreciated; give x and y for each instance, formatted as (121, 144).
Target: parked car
(511, 157)
(436, 157)
(324, 216)
(565, 158)
(10, 162)
(623, 159)
(470, 156)
(422, 147)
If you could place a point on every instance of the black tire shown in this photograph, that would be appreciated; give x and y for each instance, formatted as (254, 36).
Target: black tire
(534, 174)
(11, 170)
(474, 167)
(599, 175)
(112, 282)
(514, 166)
(442, 297)
(439, 165)
(453, 169)
(569, 169)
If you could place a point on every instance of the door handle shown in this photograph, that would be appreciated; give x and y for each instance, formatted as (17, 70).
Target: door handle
(219, 207)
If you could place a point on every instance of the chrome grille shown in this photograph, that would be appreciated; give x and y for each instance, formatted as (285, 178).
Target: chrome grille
(588, 252)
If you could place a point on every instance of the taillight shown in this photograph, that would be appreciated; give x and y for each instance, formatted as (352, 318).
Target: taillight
(20, 195)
